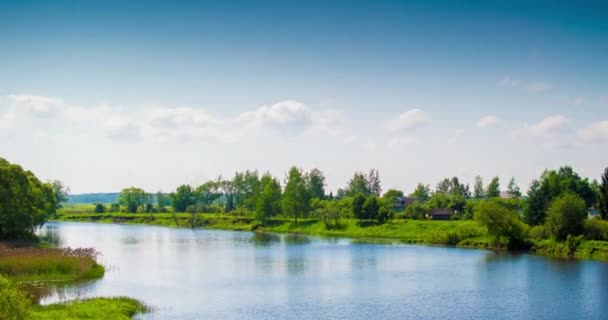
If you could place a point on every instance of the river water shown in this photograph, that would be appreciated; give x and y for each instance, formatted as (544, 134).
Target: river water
(209, 274)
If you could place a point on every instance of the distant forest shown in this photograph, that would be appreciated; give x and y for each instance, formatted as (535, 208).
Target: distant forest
(105, 198)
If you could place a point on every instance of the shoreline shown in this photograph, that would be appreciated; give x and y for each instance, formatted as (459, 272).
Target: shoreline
(452, 233)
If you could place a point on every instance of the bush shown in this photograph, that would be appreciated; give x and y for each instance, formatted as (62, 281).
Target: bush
(596, 229)
(416, 210)
(503, 225)
(566, 215)
(539, 233)
(14, 304)
(100, 208)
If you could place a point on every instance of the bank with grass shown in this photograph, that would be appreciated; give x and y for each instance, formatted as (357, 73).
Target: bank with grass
(460, 233)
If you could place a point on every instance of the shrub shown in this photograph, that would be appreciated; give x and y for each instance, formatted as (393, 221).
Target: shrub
(14, 304)
(503, 225)
(566, 215)
(539, 232)
(100, 208)
(596, 229)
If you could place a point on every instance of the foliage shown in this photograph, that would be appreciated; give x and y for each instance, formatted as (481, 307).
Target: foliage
(14, 304)
(603, 196)
(493, 190)
(269, 201)
(513, 188)
(296, 199)
(119, 308)
(315, 183)
(422, 192)
(60, 191)
(373, 182)
(329, 211)
(503, 224)
(134, 199)
(100, 208)
(25, 202)
(391, 196)
(358, 184)
(478, 191)
(566, 216)
(357, 206)
(371, 207)
(416, 210)
(385, 214)
(596, 229)
(182, 198)
(539, 232)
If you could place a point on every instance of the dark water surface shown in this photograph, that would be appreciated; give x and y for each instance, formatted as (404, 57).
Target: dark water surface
(205, 274)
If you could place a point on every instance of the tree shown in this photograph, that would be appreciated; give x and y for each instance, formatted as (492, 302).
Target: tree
(373, 182)
(371, 207)
(161, 201)
(329, 211)
(566, 216)
(416, 210)
(100, 208)
(315, 181)
(133, 198)
(269, 202)
(296, 199)
(478, 191)
(357, 206)
(422, 192)
(182, 198)
(358, 184)
(391, 196)
(443, 186)
(385, 213)
(245, 187)
(513, 188)
(493, 188)
(60, 191)
(25, 202)
(603, 195)
(503, 224)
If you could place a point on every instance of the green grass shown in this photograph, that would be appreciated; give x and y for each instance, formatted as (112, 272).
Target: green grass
(49, 264)
(461, 233)
(119, 308)
(587, 249)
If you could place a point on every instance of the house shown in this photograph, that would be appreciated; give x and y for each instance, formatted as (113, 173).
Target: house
(402, 203)
(592, 212)
(441, 214)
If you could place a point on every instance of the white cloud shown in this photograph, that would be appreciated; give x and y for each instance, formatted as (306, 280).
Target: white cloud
(409, 120)
(507, 81)
(579, 101)
(538, 87)
(595, 133)
(42, 107)
(549, 126)
(488, 122)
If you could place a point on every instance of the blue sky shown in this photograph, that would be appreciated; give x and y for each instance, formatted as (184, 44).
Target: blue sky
(108, 94)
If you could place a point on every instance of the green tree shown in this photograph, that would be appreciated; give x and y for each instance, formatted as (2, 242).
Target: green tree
(513, 188)
(25, 202)
(100, 208)
(391, 196)
(161, 201)
(422, 192)
(315, 182)
(371, 207)
(296, 198)
(246, 187)
(269, 202)
(503, 224)
(60, 191)
(357, 206)
(133, 198)
(373, 182)
(478, 191)
(416, 210)
(566, 216)
(14, 304)
(443, 186)
(603, 195)
(358, 184)
(385, 213)
(182, 198)
(493, 188)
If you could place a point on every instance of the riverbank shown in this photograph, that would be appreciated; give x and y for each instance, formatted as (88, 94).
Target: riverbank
(460, 233)
(22, 265)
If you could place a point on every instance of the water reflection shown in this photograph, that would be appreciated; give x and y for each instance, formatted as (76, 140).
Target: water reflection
(245, 275)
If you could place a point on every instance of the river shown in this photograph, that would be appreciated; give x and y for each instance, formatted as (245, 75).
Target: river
(210, 274)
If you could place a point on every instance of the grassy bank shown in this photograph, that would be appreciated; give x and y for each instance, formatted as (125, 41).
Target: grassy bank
(26, 264)
(461, 233)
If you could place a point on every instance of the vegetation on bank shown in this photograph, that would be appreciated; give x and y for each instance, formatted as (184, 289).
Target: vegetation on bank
(24, 264)
(16, 305)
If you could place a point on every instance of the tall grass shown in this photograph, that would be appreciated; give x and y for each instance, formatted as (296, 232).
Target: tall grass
(49, 264)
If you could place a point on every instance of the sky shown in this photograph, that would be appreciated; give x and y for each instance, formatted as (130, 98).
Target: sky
(104, 95)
